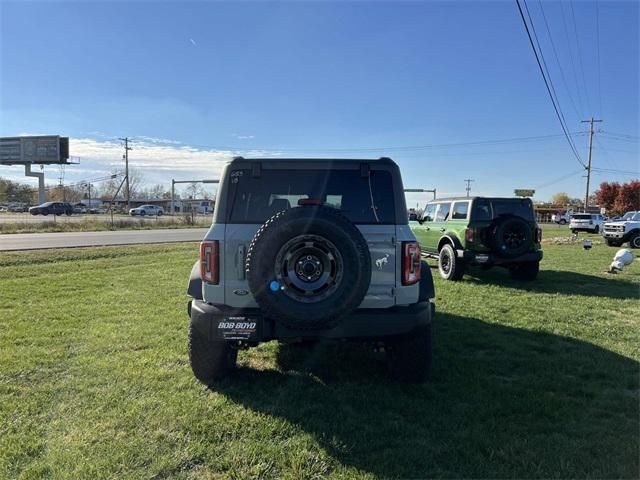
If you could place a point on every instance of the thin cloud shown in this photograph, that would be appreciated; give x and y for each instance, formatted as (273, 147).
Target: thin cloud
(242, 137)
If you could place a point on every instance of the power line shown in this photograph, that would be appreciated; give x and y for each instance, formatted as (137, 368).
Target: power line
(376, 149)
(555, 53)
(615, 170)
(559, 179)
(547, 82)
(598, 58)
(570, 48)
(575, 30)
(620, 136)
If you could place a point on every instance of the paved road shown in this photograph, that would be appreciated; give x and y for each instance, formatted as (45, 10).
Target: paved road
(32, 241)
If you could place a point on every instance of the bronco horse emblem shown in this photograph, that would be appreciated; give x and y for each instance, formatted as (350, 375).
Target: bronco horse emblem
(381, 262)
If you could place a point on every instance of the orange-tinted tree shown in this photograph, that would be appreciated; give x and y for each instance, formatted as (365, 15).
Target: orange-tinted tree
(606, 195)
(618, 199)
(628, 197)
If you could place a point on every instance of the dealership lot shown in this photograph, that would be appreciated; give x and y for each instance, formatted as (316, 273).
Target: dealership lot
(536, 379)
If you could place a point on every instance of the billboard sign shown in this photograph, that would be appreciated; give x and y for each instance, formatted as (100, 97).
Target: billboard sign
(523, 192)
(43, 149)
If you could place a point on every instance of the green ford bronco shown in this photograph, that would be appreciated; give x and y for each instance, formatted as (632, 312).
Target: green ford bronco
(481, 231)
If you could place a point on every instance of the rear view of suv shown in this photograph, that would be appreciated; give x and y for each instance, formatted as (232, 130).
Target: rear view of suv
(303, 250)
(481, 231)
(586, 222)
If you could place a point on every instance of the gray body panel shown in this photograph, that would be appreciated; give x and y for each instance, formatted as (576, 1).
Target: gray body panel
(385, 246)
(384, 240)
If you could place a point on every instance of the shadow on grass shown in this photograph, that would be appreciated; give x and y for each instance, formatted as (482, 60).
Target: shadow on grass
(560, 281)
(503, 402)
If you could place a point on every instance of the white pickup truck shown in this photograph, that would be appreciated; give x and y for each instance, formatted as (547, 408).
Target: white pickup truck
(624, 229)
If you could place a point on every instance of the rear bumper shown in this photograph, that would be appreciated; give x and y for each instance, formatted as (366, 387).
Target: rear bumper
(363, 324)
(476, 258)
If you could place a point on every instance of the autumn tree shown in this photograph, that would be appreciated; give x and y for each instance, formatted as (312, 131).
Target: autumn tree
(628, 197)
(607, 193)
(560, 198)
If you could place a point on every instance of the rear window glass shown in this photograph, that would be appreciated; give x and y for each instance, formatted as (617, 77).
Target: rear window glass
(255, 200)
(581, 217)
(488, 209)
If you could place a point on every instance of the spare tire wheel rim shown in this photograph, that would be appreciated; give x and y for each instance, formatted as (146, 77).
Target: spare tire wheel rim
(309, 268)
(514, 236)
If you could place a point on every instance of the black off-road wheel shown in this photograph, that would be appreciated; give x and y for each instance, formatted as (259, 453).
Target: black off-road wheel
(449, 265)
(409, 357)
(526, 271)
(510, 236)
(634, 241)
(308, 267)
(613, 243)
(210, 361)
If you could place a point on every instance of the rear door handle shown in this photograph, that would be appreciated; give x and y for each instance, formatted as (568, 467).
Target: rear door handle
(442, 229)
(240, 261)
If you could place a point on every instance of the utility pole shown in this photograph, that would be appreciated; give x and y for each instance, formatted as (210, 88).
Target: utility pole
(468, 187)
(126, 169)
(588, 167)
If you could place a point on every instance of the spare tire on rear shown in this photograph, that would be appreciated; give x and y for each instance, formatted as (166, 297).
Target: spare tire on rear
(308, 267)
(511, 236)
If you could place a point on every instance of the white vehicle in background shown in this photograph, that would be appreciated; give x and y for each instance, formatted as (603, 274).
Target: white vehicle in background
(586, 222)
(143, 210)
(562, 217)
(625, 229)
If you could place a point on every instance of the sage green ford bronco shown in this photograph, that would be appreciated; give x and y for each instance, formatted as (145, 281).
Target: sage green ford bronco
(481, 231)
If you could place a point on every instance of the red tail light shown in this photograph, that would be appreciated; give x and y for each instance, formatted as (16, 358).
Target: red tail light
(468, 234)
(410, 263)
(538, 235)
(209, 269)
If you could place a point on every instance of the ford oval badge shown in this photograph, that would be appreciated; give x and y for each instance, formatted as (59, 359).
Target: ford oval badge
(241, 292)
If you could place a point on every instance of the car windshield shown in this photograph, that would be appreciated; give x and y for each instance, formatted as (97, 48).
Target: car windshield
(631, 216)
(255, 200)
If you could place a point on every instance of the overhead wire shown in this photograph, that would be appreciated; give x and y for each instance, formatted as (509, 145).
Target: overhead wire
(570, 49)
(555, 54)
(578, 49)
(547, 82)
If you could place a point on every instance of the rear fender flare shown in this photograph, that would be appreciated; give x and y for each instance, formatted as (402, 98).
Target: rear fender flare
(194, 287)
(451, 240)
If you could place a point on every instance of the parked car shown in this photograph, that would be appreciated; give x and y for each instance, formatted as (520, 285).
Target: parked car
(463, 231)
(97, 210)
(586, 222)
(79, 208)
(17, 208)
(55, 208)
(625, 229)
(562, 217)
(146, 210)
(306, 250)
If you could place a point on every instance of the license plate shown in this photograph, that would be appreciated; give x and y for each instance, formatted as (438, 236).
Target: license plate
(238, 327)
(482, 258)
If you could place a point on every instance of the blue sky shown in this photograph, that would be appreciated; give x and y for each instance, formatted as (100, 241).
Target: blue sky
(195, 82)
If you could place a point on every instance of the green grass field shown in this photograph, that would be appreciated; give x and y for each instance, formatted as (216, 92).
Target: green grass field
(530, 380)
(100, 224)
